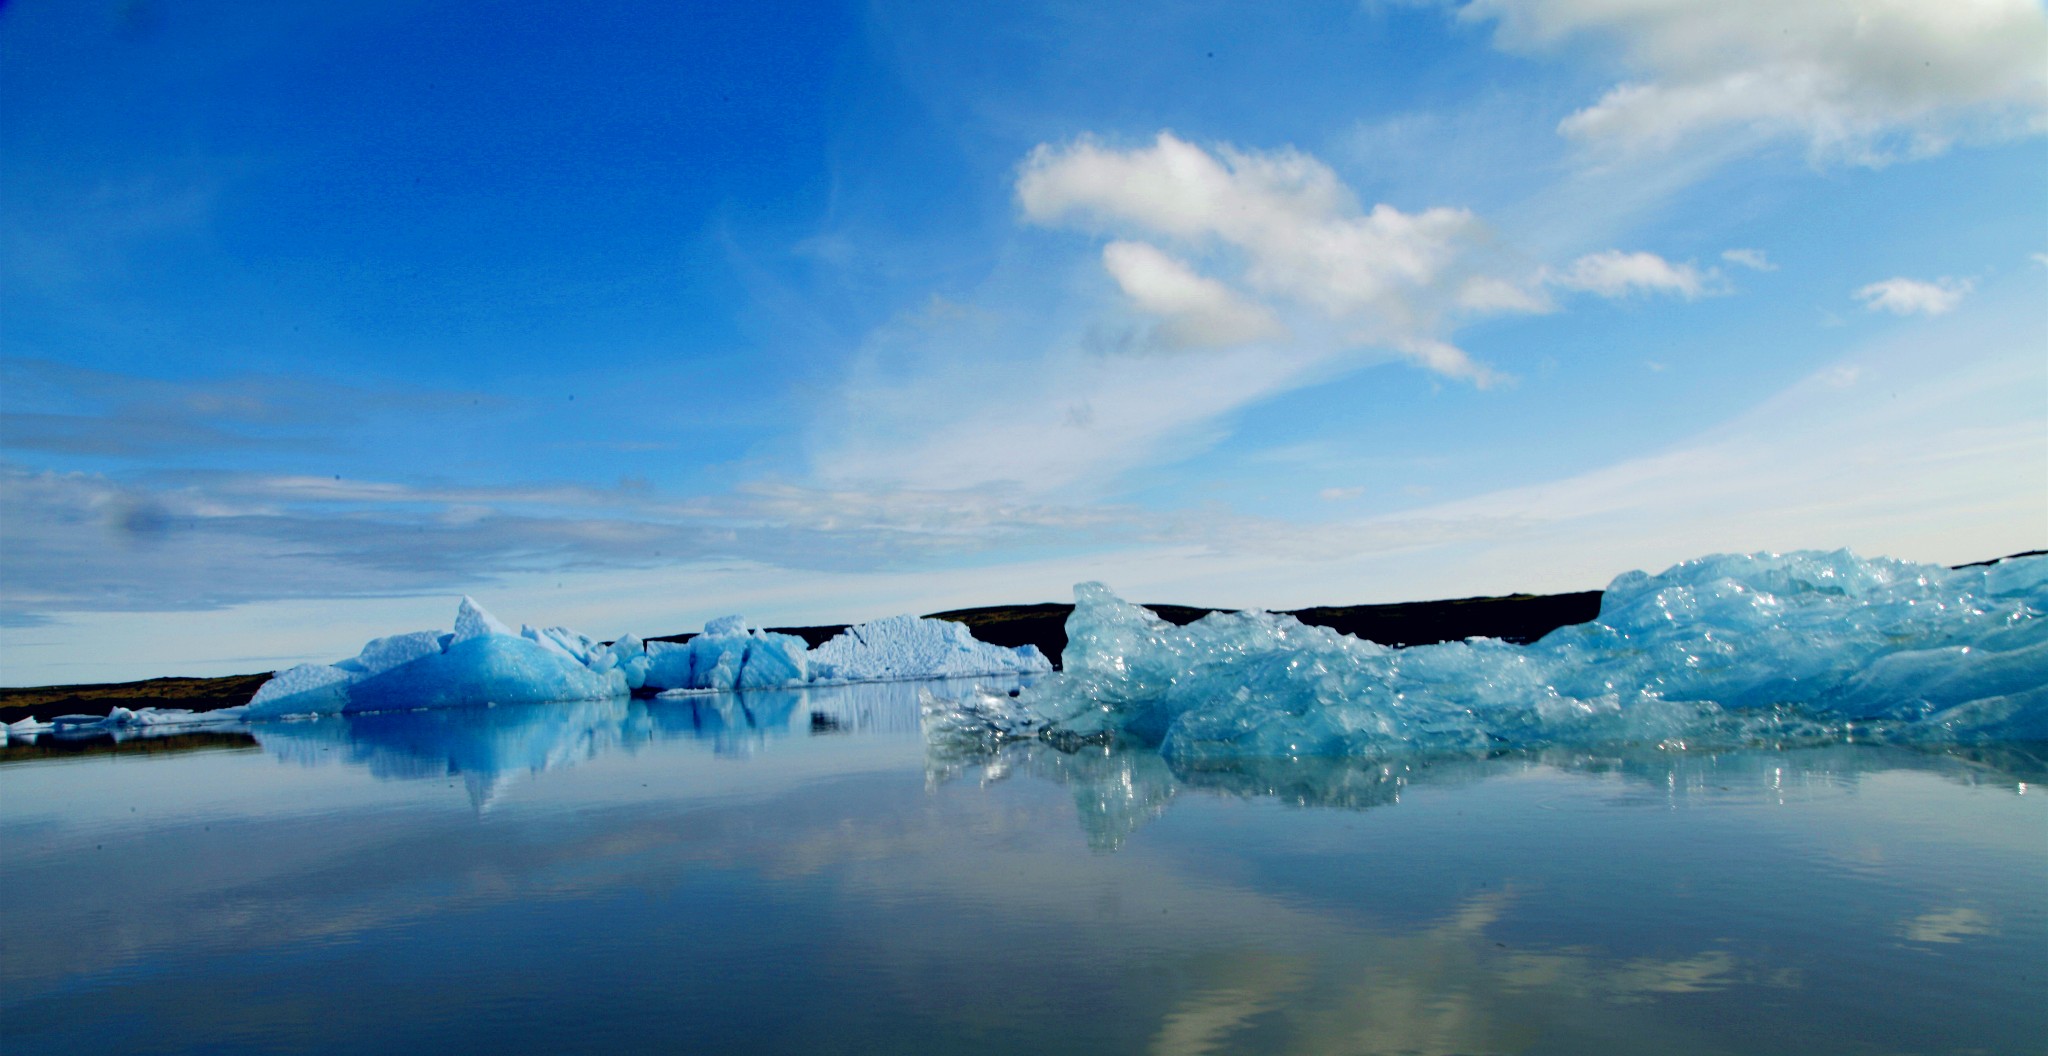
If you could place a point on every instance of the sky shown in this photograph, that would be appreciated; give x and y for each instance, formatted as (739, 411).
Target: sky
(314, 318)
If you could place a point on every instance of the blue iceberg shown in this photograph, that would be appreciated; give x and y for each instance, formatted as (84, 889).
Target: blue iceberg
(729, 656)
(1764, 648)
(483, 662)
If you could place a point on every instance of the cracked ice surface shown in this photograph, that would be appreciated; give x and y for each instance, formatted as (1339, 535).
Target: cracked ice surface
(1718, 650)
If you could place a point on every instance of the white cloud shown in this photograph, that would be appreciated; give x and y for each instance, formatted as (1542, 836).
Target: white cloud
(1864, 81)
(1193, 310)
(1904, 296)
(1262, 271)
(182, 541)
(1387, 277)
(1618, 274)
(1069, 415)
(1753, 259)
(1447, 359)
(1339, 494)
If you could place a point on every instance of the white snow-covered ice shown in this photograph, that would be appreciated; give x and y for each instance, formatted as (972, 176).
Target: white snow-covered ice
(905, 647)
(1719, 650)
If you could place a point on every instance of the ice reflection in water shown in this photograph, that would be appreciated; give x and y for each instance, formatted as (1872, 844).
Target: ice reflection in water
(489, 747)
(1118, 790)
(686, 866)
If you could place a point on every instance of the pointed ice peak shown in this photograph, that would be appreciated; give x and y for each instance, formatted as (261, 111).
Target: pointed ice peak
(471, 621)
(726, 625)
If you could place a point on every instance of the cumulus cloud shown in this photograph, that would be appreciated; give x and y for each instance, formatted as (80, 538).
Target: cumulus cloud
(1383, 276)
(1264, 274)
(1902, 296)
(1618, 274)
(1389, 278)
(1193, 310)
(1863, 81)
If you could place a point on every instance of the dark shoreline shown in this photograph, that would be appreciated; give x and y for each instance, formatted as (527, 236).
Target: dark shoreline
(1519, 618)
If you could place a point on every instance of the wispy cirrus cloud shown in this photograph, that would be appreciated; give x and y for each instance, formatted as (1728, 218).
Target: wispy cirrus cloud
(1753, 259)
(61, 408)
(82, 541)
(88, 542)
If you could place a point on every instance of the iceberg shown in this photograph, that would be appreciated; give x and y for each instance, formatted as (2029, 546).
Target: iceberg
(729, 656)
(906, 647)
(1728, 649)
(483, 662)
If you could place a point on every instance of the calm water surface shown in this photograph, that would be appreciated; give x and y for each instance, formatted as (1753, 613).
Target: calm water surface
(795, 872)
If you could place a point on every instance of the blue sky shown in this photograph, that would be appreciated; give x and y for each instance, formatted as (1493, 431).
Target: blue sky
(315, 318)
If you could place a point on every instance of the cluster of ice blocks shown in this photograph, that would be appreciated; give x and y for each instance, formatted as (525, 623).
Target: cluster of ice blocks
(122, 723)
(483, 662)
(1719, 650)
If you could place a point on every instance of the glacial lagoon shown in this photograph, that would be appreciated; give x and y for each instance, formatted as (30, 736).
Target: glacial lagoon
(808, 870)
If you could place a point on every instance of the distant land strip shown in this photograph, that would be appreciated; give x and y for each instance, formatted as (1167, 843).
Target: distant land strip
(1520, 618)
